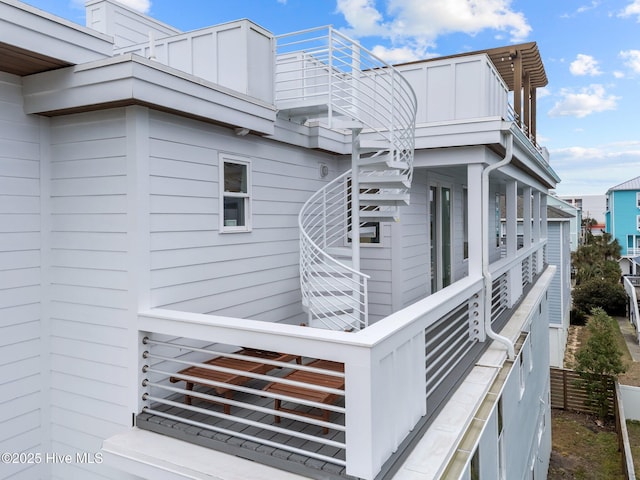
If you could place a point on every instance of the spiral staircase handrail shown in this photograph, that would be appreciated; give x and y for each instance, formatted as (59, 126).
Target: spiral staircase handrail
(322, 74)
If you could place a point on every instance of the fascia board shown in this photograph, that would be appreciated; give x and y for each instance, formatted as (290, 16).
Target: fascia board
(130, 79)
(31, 29)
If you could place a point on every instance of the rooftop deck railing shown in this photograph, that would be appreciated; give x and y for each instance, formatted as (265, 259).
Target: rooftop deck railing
(337, 401)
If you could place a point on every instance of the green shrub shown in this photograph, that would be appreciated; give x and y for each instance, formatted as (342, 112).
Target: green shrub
(595, 293)
(599, 361)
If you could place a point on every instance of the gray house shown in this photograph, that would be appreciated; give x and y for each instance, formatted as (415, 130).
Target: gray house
(227, 254)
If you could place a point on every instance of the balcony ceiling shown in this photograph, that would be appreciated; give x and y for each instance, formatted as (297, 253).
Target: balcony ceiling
(22, 62)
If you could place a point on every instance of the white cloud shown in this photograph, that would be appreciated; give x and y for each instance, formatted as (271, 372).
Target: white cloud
(593, 170)
(588, 100)
(362, 16)
(542, 92)
(632, 59)
(418, 23)
(584, 65)
(397, 55)
(140, 5)
(586, 8)
(633, 9)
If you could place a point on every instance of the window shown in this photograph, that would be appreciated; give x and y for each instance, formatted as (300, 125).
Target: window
(638, 199)
(638, 221)
(501, 453)
(440, 224)
(521, 372)
(475, 465)
(236, 207)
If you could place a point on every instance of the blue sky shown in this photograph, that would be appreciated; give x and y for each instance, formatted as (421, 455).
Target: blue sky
(589, 113)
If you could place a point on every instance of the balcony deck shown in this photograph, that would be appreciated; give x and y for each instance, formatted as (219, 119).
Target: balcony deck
(400, 371)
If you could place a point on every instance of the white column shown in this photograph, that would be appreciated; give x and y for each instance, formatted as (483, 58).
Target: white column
(526, 216)
(536, 217)
(512, 217)
(474, 210)
(543, 232)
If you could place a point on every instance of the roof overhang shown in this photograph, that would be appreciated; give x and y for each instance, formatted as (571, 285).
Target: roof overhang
(33, 41)
(133, 80)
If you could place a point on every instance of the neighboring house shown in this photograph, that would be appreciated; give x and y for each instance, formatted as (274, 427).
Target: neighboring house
(560, 230)
(185, 199)
(575, 215)
(623, 222)
(592, 206)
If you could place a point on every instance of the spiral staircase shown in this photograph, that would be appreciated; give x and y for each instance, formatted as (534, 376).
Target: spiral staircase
(324, 77)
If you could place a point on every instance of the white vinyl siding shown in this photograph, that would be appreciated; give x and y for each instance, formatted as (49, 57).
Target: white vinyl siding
(20, 320)
(88, 285)
(415, 248)
(194, 268)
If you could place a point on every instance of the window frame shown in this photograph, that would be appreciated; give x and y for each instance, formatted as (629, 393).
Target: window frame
(246, 196)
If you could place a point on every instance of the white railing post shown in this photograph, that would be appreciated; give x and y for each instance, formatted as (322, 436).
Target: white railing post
(360, 417)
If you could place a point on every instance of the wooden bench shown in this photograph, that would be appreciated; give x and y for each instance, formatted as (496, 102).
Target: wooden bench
(249, 366)
(313, 378)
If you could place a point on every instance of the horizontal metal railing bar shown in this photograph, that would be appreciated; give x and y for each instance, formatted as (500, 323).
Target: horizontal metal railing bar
(440, 375)
(252, 423)
(256, 376)
(262, 441)
(246, 406)
(240, 388)
(457, 331)
(248, 358)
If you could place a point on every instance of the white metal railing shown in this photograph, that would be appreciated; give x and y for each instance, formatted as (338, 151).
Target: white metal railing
(321, 67)
(633, 251)
(447, 342)
(365, 425)
(630, 285)
(223, 381)
(524, 130)
(322, 74)
(334, 293)
(499, 295)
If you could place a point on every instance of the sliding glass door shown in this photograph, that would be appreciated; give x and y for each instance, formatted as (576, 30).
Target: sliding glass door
(440, 236)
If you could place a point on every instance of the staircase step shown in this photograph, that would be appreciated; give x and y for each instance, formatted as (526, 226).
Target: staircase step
(380, 216)
(384, 199)
(342, 322)
(301, 110)
(340, 253)
(381, 163)
(331, 287)
(385, 181)
(337, 306)
(345, 123)
(370, 146)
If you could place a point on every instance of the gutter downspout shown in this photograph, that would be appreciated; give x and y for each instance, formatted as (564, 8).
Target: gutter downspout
(486, 274)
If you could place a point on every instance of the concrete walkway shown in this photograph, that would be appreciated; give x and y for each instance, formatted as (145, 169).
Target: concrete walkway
(630, 336)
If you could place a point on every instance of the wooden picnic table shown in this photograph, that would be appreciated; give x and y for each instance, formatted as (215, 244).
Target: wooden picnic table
(235, 378)
(311, 394)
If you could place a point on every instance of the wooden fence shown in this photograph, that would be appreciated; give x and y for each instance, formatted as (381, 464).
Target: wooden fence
(567, 394)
